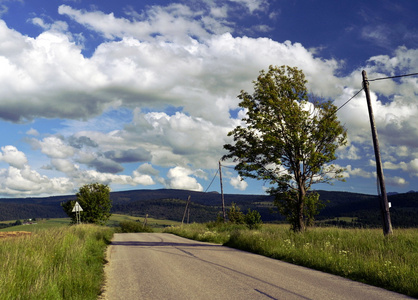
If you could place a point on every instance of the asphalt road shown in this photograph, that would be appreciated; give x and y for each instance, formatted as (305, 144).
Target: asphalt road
(164, 266)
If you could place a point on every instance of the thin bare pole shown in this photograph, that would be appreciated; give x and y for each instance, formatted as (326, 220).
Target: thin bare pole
(222, 192)
(185, 210)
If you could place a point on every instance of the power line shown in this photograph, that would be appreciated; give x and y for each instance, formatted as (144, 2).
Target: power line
(229, 167)
(375, 79)
(348, 101)
(212, 181)
(391, 77)
(335, 111)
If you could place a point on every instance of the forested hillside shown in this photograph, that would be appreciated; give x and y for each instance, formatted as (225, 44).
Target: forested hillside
(364, 210)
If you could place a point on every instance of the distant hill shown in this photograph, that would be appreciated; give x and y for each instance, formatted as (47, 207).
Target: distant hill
(211, 198)
(170, 204)
(366, 208)
(28, 208)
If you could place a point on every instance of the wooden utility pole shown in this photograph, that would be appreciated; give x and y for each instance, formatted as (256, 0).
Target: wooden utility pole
(185, 210)
(384, 205)
(222, 192)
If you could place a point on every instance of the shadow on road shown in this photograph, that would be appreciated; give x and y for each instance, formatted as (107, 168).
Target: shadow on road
(161, 244)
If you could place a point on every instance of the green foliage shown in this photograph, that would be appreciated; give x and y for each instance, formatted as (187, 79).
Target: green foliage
(288, 139)
(312, 207)
(212, 232)
(134, 226)
(235, 215)
(219, 218)
(290, 208)
(253, 219)
(95, 201)
(57, 263)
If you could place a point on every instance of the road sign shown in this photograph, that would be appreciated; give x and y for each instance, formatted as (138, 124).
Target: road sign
(77, 207)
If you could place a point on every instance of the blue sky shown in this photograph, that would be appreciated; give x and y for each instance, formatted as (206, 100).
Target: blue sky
(142, 94)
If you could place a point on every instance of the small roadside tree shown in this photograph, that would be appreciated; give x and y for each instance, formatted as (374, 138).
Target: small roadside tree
(95, 201)
(288, 139)
(253, 219)
(235, 215)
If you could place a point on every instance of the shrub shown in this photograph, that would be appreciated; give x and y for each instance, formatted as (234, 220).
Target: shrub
(253, 219)
(134, 226)
(235, 215)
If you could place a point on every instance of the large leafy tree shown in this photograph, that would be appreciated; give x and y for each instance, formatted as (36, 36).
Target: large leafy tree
(289, 139)
(95, 201)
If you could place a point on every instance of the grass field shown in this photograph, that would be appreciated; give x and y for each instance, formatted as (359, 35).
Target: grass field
(40, 224)
(65, 262)
(114, 221)
(363, 255)
(51, 260)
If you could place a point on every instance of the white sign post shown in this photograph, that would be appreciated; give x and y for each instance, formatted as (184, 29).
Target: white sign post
(77, 209)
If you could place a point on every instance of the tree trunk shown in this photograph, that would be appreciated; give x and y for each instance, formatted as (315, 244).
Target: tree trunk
(301, 201)
(301, 224)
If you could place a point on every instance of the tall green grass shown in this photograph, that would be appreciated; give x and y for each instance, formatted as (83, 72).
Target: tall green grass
(212, 232)
(57, 263)
(360, 254)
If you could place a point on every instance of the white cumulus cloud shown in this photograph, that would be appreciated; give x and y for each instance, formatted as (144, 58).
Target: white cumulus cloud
(13, 157)
(181, 178)
(238, 183)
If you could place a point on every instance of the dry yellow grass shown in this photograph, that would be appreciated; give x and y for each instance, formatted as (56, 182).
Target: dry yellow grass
(7, 234)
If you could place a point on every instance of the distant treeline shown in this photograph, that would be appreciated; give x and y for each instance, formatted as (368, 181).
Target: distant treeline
(20, 211)
(364, 210)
